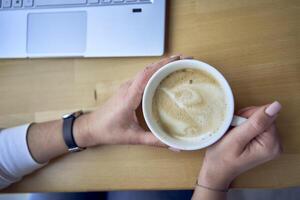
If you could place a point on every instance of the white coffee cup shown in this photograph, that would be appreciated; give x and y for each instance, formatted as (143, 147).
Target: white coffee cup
(192, 143)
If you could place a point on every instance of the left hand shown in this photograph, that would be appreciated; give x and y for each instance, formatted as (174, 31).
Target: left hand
(115, 122)
(254, 142)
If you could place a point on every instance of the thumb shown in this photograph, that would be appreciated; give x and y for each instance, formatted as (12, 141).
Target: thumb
(136, 89)
(148, 138)
(257, 123)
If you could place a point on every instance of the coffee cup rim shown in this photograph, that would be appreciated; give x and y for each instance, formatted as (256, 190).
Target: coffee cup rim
(188, 143)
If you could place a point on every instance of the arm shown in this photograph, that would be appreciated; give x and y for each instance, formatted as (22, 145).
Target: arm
(45, 140)
(242, 148)
(113, 123)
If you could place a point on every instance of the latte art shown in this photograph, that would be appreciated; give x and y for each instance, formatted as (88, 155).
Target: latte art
(188, 103)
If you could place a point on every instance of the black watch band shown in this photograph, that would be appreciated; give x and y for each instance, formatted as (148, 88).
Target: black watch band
(68, 122)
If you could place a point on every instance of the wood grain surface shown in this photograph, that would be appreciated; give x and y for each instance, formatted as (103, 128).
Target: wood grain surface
(255, 44)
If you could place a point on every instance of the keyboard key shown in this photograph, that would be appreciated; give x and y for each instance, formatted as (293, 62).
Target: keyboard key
(25, 4)
(93, 1)
(105, 1)
(58, 2)
(6, 3)
(28, 3)
(17, 3)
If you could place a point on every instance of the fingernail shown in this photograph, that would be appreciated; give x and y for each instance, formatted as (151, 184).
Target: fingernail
(174, 149)
(273, 109)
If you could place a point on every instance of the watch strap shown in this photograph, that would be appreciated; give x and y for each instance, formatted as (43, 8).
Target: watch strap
(68, 136)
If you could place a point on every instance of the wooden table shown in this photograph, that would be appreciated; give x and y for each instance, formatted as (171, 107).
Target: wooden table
(254, 43)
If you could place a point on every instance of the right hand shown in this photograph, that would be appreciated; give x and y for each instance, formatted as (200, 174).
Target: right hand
(242, 148)
(116, 122)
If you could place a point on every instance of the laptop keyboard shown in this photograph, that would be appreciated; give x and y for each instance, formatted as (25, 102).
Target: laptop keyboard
(30, 4)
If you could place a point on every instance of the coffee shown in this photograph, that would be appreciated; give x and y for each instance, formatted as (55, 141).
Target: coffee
(189, 103)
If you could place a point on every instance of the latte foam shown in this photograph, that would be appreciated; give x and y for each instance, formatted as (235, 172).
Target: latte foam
(189, 103)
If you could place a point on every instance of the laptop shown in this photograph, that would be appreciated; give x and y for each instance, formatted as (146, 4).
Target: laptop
(81, 28)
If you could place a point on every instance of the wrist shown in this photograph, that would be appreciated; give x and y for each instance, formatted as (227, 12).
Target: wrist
(81, 131)
(214, 179)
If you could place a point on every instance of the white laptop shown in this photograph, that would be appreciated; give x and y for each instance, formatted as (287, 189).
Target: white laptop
(81, 28)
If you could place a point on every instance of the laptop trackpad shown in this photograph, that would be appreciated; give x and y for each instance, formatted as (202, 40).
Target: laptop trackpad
(62, 33)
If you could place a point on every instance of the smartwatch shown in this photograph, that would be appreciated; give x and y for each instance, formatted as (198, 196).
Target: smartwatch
(68, 122)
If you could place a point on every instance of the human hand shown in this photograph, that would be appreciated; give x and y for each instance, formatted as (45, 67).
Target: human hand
(116, 122)
(242, 148)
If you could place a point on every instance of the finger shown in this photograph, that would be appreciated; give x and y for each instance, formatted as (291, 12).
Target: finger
(243, 110)
(174, 149)
(148, 138)
(257, 123)
(264, 147)
(270, 138)
(248, 113)
(136, 89)
(266, 139)
(186, 57)
(126, 85)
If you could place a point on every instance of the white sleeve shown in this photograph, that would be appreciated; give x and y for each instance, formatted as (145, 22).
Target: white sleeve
(15, 157)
